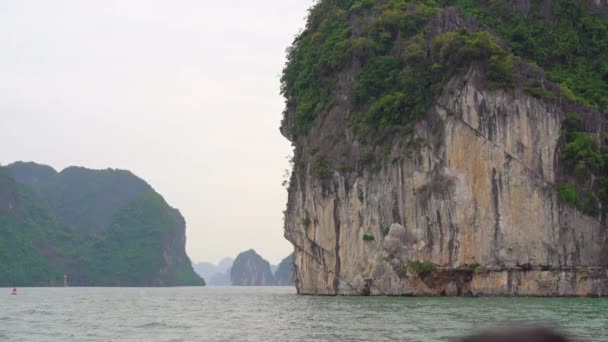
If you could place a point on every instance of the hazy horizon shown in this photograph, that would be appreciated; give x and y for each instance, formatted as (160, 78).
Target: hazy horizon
(183, 94)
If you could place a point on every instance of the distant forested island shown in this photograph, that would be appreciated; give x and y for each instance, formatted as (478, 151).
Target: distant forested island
(248, 269)
(98, 227)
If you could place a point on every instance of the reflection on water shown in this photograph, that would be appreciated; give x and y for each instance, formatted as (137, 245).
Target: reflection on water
(276, 314)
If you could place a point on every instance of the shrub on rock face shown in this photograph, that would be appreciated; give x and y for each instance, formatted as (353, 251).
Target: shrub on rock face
(422, 268)
(321, 167)
(306, 221)
(567, 194)
(368, 237)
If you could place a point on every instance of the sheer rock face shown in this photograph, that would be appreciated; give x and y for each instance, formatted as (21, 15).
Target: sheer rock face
(480, 205)
(250, 269)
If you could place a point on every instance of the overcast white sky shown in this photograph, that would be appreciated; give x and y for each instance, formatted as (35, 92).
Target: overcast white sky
(184, 93)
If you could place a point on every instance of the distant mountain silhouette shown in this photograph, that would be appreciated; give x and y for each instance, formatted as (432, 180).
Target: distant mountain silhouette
(250, 269)
(215, 275)
(284, 273)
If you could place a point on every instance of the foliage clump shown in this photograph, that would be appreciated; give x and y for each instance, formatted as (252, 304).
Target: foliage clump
(306, 221)
(316, 55)
(582, 155)
(368, 237)
(393, 92)
(584, 158)
(401, 70)
(422, 268)
(322, 167)
(567, 40)
(567, 194)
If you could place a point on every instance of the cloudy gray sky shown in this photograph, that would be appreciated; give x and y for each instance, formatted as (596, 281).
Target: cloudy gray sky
(184, 93)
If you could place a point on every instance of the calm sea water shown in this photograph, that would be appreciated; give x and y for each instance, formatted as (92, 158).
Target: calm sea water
(275, 314)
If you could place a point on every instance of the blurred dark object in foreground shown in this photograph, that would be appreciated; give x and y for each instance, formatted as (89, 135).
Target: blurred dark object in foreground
(518, 335)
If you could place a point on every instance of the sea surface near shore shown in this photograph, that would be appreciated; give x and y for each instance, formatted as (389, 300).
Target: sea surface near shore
(276, 314)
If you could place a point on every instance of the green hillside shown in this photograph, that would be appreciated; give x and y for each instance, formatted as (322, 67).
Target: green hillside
(137, 239)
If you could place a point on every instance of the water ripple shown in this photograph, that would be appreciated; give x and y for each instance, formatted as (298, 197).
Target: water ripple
(277, 314)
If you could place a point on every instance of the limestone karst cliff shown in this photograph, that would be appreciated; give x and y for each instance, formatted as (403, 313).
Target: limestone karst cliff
(434, 157)
(250, 269)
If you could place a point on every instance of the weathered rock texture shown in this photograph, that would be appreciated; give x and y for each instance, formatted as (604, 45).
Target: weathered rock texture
(473, 211)
(250, 269)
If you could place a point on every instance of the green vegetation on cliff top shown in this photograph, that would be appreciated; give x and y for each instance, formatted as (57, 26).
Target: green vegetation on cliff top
(401, 71)
(142, 243)
(569, 41)
(384, 56)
